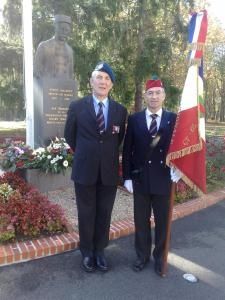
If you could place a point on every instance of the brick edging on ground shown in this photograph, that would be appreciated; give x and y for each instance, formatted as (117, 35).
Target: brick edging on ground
(29, 250)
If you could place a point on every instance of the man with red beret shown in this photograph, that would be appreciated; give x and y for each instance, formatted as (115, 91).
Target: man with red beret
(145, 172)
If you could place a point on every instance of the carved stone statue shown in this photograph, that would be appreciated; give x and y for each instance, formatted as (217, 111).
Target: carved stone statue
(54, 57)
(54, 83)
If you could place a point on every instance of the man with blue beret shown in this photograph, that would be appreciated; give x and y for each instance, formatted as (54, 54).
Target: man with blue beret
(94, 129)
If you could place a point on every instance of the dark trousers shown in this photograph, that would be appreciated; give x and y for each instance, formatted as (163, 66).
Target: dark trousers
(143, 206)
(94, 205)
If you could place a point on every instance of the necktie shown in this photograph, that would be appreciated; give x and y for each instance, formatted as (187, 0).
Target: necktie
(153, 125)
(100, 118)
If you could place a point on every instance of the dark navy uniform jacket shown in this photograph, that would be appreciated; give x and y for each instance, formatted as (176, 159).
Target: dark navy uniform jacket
(95, 152)
(154, 176)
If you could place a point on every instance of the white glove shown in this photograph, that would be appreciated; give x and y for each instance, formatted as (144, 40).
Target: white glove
(175, 174)
(129, 185)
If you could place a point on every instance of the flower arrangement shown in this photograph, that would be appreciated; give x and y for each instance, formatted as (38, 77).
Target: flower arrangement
(55, 158)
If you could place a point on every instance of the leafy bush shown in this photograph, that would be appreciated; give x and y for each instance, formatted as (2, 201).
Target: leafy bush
(24, 212)
(215, 161)
(183, 192)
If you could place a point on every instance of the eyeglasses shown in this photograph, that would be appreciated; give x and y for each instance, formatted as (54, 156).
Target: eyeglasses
(151, 93)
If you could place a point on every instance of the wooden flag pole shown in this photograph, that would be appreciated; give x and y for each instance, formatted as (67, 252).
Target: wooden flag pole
(168, 231)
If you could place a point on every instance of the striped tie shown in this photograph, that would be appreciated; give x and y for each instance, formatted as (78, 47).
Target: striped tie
(153, 125)
(100, 118)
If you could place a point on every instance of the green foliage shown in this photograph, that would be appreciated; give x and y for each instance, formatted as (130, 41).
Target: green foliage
(138, 38)
(6, 236)
(5, 192)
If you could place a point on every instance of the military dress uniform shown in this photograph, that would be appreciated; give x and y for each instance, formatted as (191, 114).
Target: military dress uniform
(151, 183)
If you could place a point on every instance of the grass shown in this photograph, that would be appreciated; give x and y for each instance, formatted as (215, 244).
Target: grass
(215, 129)
(15, 130)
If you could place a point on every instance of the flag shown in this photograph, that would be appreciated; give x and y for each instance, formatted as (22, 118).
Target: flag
(187, 148)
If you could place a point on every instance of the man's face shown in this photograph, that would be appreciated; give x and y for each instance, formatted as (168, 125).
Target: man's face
(154, 98)
(62, 30)
(101, 84)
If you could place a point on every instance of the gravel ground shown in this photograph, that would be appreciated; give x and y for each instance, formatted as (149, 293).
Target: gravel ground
(123, 207)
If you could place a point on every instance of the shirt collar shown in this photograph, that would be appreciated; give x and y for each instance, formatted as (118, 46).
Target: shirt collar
(105, 101)
(159, 112)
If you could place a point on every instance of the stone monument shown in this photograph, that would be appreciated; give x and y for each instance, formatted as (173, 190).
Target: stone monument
(54, 84)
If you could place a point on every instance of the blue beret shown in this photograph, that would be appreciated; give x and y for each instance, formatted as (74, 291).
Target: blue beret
(104, 67)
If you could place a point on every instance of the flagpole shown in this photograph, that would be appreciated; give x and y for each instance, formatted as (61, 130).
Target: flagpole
(28, 71)
(168, 230)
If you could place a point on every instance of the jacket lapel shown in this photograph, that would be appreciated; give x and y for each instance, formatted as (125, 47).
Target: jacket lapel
(90, 106)
(165, 121)
(111, 115)
(164, 127)
(142, 123)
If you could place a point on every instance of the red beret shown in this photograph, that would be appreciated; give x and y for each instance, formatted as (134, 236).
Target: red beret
(153, 83)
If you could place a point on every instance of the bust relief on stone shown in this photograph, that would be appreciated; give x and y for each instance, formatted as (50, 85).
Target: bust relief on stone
(54, 57)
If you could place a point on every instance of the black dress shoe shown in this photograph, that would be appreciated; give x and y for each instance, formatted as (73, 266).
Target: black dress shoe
(101, 263)
(88, 264)
(158, 268)
(139, 264)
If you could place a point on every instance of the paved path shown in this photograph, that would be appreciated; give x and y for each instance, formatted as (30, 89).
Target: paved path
(197, 246)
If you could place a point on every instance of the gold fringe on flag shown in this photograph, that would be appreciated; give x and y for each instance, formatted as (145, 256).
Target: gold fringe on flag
(197, 46)
(183, 152)
(195, 61)
(189, 182)
(192, 185)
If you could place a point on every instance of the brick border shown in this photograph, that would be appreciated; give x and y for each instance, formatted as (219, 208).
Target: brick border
(42, 247)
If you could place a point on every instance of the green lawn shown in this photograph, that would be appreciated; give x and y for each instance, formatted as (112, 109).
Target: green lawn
(12, 130)
(18, 129)
(215, 129)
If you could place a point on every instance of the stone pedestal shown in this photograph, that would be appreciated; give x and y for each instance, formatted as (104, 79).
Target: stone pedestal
(51, 101)
(48, 182)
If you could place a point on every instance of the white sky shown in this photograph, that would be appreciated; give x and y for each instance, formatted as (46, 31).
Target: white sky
(217, 9)
(2, 2)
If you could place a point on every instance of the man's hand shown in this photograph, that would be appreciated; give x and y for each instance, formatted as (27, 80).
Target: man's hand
(129, 185)
(175, 174)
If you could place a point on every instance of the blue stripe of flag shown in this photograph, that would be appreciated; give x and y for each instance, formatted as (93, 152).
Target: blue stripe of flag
(191, 27)
(200, 69)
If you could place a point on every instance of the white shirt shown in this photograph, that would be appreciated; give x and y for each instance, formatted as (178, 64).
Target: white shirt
(149, 118)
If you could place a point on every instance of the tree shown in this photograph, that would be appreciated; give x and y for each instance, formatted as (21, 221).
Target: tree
(139, 38)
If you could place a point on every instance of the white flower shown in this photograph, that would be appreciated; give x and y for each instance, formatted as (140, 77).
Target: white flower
(49, 157)
(57, 158)
(65, 163)
(52, 161)
(66, 146)
(56, 146)
(39, 151)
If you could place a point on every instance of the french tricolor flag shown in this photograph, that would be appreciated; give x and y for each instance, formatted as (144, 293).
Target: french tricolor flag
(187, 147)
(197, 34)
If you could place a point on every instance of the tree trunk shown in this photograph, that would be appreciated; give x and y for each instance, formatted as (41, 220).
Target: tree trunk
(138, 96)
(222, 103)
